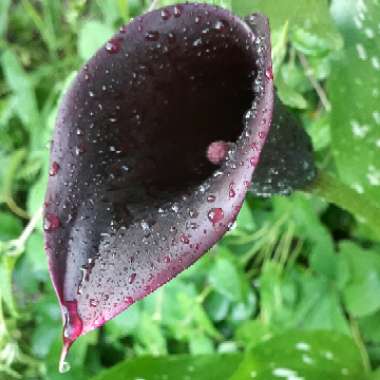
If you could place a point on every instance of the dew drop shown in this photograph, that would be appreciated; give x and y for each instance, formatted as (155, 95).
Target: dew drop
(132, 278)
(113, 45)
(165, 14)
(184, 239)
(152, 35)
(177, 11)
(231, 191)
(211, 198)
(197, 42)
(93, 302)
(215, 215)
(221, 25)
(269, 73)
(51, 222)
(79, 150)
(193, 213)
(171, 37)
(129, 300)
(54, 168)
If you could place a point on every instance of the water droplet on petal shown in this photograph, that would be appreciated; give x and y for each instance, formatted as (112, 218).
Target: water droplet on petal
(231, 191)
(152, 35)
(177, 11)
(269, 73)
(211, 198)
(197, 42)
(113, 45)
(165, 14)
(215, 215)
(51, 222)
(54, 168)
(129, 300)
(221, 25)
(132, 278)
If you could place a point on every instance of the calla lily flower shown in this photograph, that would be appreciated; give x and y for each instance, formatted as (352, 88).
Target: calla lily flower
(157, 142)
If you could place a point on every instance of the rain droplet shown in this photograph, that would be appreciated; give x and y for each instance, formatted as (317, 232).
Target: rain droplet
(197, 42)
(93, 302)
(165, 14)
(221, 25)
(215, 215)
(231, 191)
(132, 278)
(177, 11)
(79, 150)
(211, 198)
(171, 38)
(193, 213)
(113, 45)
(129, 300)
(54, 168)
(269, 73)
(51, 222)
(152, 35)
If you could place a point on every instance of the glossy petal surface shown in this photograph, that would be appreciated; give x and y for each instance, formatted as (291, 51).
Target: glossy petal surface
(133, 199)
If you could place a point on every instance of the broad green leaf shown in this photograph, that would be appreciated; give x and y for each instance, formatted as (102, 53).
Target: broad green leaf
(92, 35)
(354, 90)
(363, 286)
(370, 327)
(252, 332)
(225, 279)
(184, 367)
(311, 17)
(298, 299)
(201, 344)
(303, 355)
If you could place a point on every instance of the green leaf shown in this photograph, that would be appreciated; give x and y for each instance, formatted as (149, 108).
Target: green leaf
(312, 17)
(7, 264)
(363, 287)
(92, 35)
(298, 299)
(19, 82)
(10, 226)
(370, 327)
(225, 278)
(4, 7)
(303, 355)
(183, 367)
(354, 90)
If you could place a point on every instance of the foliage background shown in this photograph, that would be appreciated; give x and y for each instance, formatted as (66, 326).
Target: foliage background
(292, 292)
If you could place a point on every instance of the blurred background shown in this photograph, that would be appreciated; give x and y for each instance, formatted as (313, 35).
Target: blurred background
(292, 290)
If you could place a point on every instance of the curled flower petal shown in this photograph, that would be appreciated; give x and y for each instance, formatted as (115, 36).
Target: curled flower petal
(156, 143)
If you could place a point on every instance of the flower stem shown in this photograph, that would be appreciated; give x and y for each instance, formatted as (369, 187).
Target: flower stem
(334, 191)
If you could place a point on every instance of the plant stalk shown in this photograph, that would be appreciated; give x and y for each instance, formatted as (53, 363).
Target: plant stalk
(334, 191)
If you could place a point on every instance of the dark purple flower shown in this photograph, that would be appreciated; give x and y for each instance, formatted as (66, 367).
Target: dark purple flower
(154, 150)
